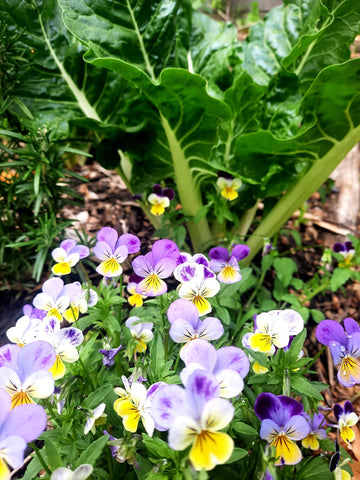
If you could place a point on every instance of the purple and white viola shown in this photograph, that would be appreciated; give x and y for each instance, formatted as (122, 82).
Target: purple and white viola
(226, 264)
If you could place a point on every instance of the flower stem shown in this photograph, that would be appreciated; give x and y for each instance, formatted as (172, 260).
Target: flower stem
(40, 457)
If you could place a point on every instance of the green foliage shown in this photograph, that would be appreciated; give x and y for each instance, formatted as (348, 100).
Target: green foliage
(182, 98)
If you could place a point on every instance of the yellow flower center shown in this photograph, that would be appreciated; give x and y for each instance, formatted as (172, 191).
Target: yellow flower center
(20, 398)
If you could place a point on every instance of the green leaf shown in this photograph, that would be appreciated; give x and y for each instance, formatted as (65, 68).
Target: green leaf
(53, 455)
(304, 387)
(93, 452)
(284, 268)
(296, 346)
(158, 448)
(339, 277)
(245, 429)
(237, 454)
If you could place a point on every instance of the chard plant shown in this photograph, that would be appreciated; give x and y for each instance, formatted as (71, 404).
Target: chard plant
(140, 378)
(173, 96)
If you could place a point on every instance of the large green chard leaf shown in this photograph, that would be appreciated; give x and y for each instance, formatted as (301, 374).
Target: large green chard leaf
(331, 127)
(190, 118)
(56, 84)
(303, 37)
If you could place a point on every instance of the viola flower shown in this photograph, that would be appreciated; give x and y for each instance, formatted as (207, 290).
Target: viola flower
(346, 418)
(96, 417)
(135, 299)
(194, 416)
(199, 258)
(113, 249)
(344, 346)
(123, 450)
(274, 329)
(56, 297)
(17, 427)
(68, 255)
(347, 250)
(282, 424)
(64, 341)
(186, 324)
(198, 284)
(155, 266)
(317, 431)
(134, 405)
(24, 331)
(80, 473)
(141, 332)
(81, 299)
(109, 355)
(160, 199)
(228, 185)
(225, 264)
(24, 371)
(229, 365)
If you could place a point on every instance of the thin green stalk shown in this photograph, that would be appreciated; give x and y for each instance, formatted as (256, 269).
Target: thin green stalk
(40, 458)
(299, 193)
(322, 349)
(50, 409)
(318, 290)
(286, 383)
(246, 221)
(189, 194)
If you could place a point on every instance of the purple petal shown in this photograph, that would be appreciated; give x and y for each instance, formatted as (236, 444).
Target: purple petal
(338, 411)
(297, 427)
(351, 326)
(167, 403)
(82, 251)
(72, 290)
(169, 192)
(200, 259)
(210, 328)
(278, 408)
(165, 248)
(234, 358)
(328, 331)
(35, 356)
(68, 245)
(348, 407)
(109, 356)
(53, 287)
(181, 331)
(130, 241)
(337, 351)
(183, 309)
(164, 267)
(349, 245)
(5, 402)
(240, 252)
(143, 265)
(217, 265)
(103, 250)
(268, 429)
(9, 355)
(200, 352)
(73, 336)
(108, 235)
(338, 247)
(185, 272)
(26, 421)
(201, 387)
(219, 253)
(353, 344)
(158, 190)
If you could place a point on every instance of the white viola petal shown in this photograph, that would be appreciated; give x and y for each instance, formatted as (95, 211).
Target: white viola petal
(351, 419)
(217, 414)
(223, 183)
(280, 338)
(43, 301)
(59, 255)
(62, 303)
(146, 336)
(40, 384)
(98, 411)
(68, 353)
(93, 298)
(90, 422)
(231, 383)
(82, 472)
(69, 336)
(73, 259)
(9, 380)
(294, 321)
(182, 432)
(148, 423)
(210, 329)
(263, 323)
(210, 287)
(236, 183)
(138, 393)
